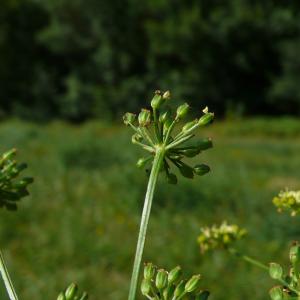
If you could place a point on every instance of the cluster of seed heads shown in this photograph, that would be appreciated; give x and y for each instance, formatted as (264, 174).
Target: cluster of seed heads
(157, 128)
(289, 288)
(72, 293)
(219, 236)
(288, 201)
(158, 284)
(12, 188)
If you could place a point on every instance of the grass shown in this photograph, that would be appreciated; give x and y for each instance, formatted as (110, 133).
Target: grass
(81, 221)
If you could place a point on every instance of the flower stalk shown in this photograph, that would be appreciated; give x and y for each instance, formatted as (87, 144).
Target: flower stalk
(6, 278)
(154, 133)
(157, 163)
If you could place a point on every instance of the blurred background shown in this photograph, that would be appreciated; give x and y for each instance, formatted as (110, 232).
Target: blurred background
(70, 69)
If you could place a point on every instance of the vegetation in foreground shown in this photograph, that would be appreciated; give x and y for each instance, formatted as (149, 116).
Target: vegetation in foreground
(57, 225)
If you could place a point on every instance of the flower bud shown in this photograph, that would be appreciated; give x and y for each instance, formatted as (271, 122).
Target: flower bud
(189, 125)
(203, 295)
(190, 152)
(161, 280)
(168, 292)
(167, 95)
(172, 178)
(275, 271)
(294, 254)
(201, 169)
(206, 119)
(146, 287)
(71, 291)
(276, 293)
(8, 155)
(174, 275)
(192, 284)
(186, 171)
(84, 296)
(142, 162)
(136, 138)
(204, 144)
(61, 296)
(167, 125)
(144, 117)
(129, 118)
(163, 117)
(182, 111)
(149, 271)
(179, 291)
(157, 100)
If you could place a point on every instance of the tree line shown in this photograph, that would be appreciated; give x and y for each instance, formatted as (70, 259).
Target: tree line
(86, 59)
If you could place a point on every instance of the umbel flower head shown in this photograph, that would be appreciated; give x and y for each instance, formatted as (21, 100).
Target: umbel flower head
(12, 188)
(219, 236)
(160, 284)
(289, 201)
(157, 129)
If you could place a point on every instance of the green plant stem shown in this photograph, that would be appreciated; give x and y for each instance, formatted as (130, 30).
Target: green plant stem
(6, 278)
(157, 163)
(248, 259)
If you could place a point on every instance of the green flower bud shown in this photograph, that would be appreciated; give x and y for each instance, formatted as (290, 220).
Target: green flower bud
(276, 293)
(8, 155)
(168, 292)
(84, 296)
(172, 178)
(144, 117)
(201, 169)
(203, 295)
(61, 296)
(186, 171)
(179, 290)
(167, 125)
(163, 117)
(146, 287)
(157, 100)
(136, 138)
(142, 162)
(182, 111)
(149, 271)
(129, 118)
(206, 119)
(161, 280)
(192, 284)
(71, 291)
(167, 95)
(204, 144)
(189, 125)
(174, 275)
(294, 254)
(275, 271)
(190, 152)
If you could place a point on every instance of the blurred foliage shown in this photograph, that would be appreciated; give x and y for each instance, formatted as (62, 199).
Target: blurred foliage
(87, 58)
(81, 220)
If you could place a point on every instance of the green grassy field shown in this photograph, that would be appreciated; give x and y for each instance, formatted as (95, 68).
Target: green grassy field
(80, 222)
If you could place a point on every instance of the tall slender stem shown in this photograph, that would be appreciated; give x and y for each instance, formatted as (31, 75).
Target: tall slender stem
(157, 162)
(6, 278)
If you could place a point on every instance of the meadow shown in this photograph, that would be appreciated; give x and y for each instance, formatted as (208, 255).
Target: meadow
(81, 220)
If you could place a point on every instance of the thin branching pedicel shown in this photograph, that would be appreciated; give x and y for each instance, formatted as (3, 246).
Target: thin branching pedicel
(156, 131)
(159, 284)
